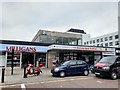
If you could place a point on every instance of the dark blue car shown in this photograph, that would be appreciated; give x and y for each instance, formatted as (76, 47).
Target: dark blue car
(71, 67)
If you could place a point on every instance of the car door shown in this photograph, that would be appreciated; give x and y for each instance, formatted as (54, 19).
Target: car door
(72, 67)
(80, 66)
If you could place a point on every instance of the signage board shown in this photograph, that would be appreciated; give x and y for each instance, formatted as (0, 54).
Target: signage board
(66, 47)
(108, 53)
(23, 48)
(2, 60)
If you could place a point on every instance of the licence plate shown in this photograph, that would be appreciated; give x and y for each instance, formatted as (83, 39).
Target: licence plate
(97, 73)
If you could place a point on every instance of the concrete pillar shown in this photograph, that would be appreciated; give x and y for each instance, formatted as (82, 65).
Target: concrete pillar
(34, 59)
(6, 59)
(20, 59)
(46, 63)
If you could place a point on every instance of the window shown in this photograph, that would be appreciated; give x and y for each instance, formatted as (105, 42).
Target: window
(87, 42)
(106, 44)
(101, 40)
(116, 42)
(116, 36)
(101, 44)
(73, 63)
(93, 41)
(79, 62)
(97, 40)
(90, 42)
(84, 43)
(111, 37)
(106, 38)
(110, 43)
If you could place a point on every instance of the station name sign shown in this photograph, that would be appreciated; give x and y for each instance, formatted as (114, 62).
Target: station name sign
(21, 48)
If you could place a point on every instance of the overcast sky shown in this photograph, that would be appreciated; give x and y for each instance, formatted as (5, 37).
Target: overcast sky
(22, 20)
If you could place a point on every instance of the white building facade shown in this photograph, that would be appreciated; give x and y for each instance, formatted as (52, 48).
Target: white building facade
(107, 40)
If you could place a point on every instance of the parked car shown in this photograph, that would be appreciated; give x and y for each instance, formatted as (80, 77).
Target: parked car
(71, 67)
(108, 66)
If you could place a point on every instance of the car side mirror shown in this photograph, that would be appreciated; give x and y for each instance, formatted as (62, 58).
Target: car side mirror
(118, 62)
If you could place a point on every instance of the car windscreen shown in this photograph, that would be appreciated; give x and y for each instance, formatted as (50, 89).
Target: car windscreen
(65, 63)
(108, 60)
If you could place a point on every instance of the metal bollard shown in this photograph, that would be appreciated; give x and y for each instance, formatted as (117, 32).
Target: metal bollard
(3, 74)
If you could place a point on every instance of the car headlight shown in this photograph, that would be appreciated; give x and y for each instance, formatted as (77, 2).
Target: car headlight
(106, 68)
(56, 69)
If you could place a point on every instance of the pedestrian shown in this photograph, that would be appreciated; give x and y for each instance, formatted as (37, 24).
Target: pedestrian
(57, 62)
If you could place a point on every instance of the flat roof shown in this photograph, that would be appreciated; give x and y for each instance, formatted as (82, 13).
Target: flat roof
(52, 34)
(23, 43)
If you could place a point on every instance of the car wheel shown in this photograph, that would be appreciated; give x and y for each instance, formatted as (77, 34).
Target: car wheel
(62, 74)
(97, 75)
(53, 75)
(113, 75)
(86, 72)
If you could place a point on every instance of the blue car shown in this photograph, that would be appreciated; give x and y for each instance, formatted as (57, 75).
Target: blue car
(71, 67)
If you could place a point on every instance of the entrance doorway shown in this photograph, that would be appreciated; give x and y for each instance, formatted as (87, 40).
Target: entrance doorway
(41, 58)
(27, 58)
(75, 55)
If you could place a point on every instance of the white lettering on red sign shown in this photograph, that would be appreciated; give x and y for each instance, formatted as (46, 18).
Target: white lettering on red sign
(19, 49)
(86, 48)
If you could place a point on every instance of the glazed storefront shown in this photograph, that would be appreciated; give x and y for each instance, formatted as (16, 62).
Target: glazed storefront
(34, 54)
(89, 54)
(23, 54)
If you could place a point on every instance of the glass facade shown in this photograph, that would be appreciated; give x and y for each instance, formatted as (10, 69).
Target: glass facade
(52, 37)
(70, 55)
(16, 59)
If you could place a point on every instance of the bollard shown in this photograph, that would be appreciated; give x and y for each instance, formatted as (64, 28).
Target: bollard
(25, 75)
(12, 65)
(3, 74)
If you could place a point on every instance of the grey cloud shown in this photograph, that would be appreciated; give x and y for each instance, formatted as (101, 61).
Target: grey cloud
(27, 18)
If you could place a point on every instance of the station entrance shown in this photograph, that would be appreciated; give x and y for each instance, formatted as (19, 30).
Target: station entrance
(75, 55)
(27, 58)
(91, 57)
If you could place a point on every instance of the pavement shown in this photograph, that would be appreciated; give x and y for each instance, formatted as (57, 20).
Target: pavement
(46, 80)
(18, 73)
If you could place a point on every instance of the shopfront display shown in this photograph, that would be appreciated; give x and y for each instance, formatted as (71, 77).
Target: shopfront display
(46, 54)
(23, 54)
(16, 59)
